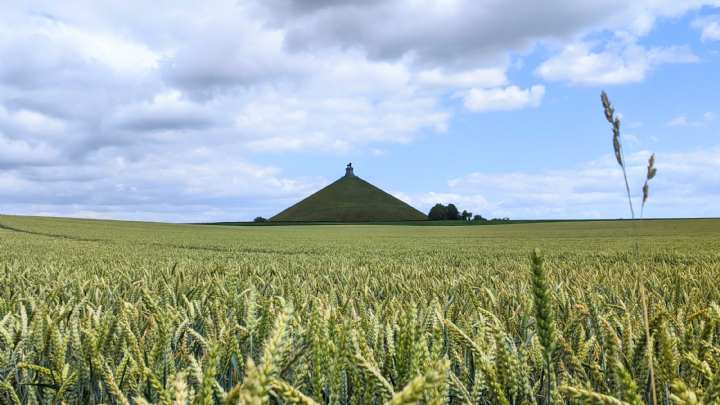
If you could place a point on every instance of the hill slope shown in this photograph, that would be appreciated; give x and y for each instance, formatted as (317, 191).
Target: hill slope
(350, 199)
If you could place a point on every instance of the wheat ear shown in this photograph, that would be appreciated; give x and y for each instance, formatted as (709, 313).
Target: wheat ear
(617, 144)
(651, 172)
(650, 344)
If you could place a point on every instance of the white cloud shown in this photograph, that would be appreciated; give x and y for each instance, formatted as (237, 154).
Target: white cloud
(684, 121)
(679, 121)
(107, 110)
(312, 120)
(620, 61)
(460, 32)
(631, 138)
(475, 203)
(16, 151)
(165, 112)
(118, 53)
(30, 124)
(491, 77)
(206, 186)
(686, 185)
(709, 27)
(504, 99)
(226, 74)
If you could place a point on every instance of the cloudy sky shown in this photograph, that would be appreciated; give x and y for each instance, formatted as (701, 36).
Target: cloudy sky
(226, 110)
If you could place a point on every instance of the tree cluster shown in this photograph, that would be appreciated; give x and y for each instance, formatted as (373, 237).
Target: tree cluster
(441, 212)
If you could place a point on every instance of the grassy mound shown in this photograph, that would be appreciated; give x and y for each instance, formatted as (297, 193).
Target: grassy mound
(350, 199)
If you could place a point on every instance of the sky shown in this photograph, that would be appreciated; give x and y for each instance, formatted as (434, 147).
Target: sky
(187, 111)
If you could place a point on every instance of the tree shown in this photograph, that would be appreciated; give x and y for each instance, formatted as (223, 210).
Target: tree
(466, 216)
(479, 218)
(259, 219)
(452, 212)
(438, 212)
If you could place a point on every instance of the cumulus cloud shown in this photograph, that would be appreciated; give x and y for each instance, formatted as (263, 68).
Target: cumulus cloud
(19, 152)
(73, 89)
(679, 121)
(709, 27)
(504, 99)
(684, 121)
(280, 123)
(165, 112)
(458, 32)
(26, 123)
(475, 203)
(616, 63)
(592, 190)
(489, 77)
(207, 186)
(111, 111)
(39, 51)
(222, 54)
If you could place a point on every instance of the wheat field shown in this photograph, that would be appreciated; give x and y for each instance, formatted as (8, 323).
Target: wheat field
(611, 312)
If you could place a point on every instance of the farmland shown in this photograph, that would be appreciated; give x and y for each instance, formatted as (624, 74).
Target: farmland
(127, 312)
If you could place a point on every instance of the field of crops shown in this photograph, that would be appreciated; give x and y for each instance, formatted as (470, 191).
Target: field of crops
(119, 312)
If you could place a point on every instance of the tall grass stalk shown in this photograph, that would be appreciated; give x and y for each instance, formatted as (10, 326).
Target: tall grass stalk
(651, 172)
(648, 337)
(617, 144)
(614, 121)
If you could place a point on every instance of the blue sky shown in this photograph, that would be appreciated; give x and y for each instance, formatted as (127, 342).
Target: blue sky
(230, 110)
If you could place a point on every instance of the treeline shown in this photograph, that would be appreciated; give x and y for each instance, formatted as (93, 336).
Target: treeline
(450, 212)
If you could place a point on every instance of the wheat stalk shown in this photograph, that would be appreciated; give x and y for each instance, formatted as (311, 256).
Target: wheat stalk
(544, 318)
(363, 319)
(617, 144)
(590, 397)
(646, 323)
(651, 172)
(422, 384)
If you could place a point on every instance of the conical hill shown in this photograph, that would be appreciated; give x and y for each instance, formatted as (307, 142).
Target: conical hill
(349, 199)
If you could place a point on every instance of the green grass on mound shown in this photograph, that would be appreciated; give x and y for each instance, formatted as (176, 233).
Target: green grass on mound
(349, 199)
